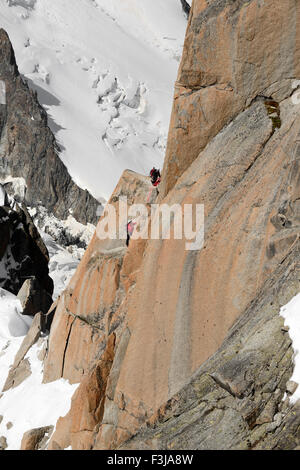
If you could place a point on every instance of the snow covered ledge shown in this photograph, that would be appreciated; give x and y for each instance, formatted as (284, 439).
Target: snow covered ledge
(291, 313)
(31, 404)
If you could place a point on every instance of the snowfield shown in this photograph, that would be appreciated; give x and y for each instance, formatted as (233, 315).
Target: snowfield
(105, 73)
(62, 265)
(32, 404)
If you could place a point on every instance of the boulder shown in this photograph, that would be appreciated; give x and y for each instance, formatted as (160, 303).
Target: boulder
(17, 375)
(3, 443)
(186, 7)
(34, 298)
(36, 439)
(23, 254)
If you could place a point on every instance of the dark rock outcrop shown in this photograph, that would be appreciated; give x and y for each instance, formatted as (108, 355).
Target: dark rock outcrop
(23, 254)
(28, 148)
(186, 7)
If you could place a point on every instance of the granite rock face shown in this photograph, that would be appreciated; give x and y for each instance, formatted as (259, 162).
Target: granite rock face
(77, 428)
(21, 367)
(200, 358)
(28, 149)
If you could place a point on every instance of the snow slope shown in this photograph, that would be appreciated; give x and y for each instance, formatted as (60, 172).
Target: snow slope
(32, 404)
(105, 72)
(291, 313)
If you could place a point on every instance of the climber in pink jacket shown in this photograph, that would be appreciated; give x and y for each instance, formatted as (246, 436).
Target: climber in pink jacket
(130, 229)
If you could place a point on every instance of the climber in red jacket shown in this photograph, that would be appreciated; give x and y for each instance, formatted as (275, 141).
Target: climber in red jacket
(155, 177)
